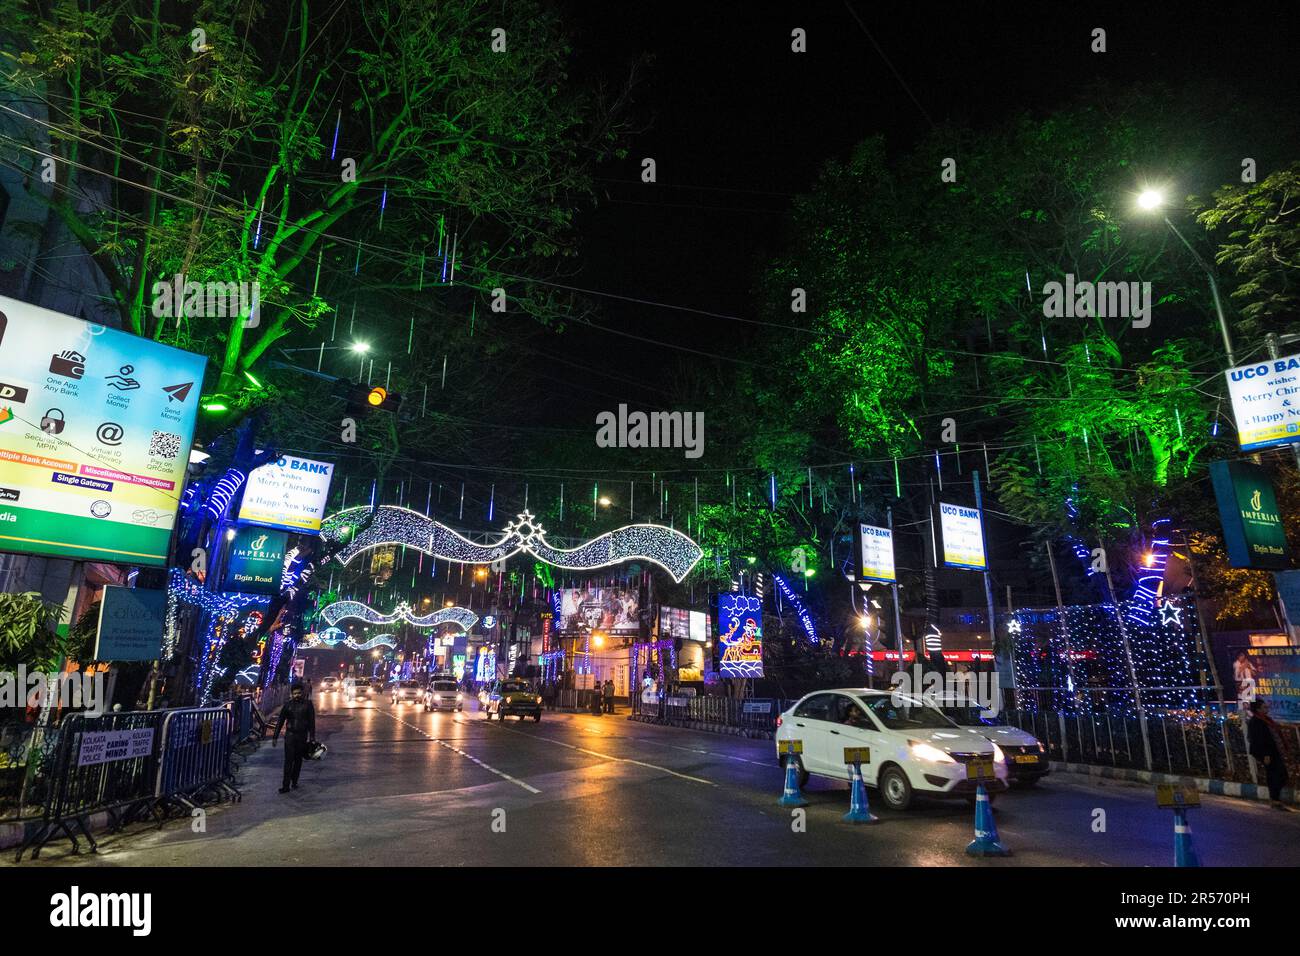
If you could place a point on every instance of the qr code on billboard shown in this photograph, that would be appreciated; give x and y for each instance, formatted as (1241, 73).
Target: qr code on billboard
(165, 445)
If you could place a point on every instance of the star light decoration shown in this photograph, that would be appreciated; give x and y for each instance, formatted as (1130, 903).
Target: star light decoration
(673, 551)
(343, 610)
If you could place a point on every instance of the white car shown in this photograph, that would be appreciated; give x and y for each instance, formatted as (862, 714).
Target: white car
(357, 689)
(915, 749)
(1027, 759)
(329, 685)
(443, 694)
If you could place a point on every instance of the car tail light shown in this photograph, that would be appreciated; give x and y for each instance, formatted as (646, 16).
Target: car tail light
(778, 720)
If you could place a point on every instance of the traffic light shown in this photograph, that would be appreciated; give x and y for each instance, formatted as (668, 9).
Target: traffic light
(367, 398)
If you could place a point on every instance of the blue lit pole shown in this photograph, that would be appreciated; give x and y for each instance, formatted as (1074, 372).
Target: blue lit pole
(898, 610)
(988, 590)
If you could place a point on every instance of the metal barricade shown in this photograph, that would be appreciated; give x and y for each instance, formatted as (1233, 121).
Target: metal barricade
(241, 709)
(105, 763)
(194, 755)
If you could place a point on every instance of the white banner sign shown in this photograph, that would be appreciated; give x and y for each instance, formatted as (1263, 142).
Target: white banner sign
(105, 746)
(876, 562)
(1266, 402)
(290, 493)
(963, 537)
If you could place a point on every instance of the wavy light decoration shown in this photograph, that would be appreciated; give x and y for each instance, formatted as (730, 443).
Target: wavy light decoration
(673, 551)
(343, 610)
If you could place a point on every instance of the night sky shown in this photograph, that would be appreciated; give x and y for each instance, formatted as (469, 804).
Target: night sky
(738, 124)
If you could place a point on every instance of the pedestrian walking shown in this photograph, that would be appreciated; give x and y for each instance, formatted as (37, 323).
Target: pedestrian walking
(596, 708)
(609, 696)
(1262, 738)
(300, 716)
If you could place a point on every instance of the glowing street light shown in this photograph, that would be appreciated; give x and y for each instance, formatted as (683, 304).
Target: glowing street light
(361, 347)
(1150, 200)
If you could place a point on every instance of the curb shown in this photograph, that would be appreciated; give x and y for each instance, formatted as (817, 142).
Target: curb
(1223, 788)
(16, 832)
(725, 729)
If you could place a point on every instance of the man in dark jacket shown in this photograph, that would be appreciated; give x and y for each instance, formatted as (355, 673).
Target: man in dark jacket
(608, 693)
(1264, 747)
(300, 715)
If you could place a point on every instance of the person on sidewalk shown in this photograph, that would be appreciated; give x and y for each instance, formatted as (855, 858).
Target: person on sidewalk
(1262, 738)
(609, 696)
(300, 715)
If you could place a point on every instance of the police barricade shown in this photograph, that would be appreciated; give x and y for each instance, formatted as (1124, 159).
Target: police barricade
(105, 763)
(194, 755)
(242, 710)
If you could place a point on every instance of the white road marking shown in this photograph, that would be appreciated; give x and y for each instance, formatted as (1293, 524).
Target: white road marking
(467, 756)
(596, 753)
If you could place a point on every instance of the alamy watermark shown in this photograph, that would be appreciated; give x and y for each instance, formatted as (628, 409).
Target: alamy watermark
(68, 690)
(624, 429)
(1102, 300)
(182, 298)
(983, 689)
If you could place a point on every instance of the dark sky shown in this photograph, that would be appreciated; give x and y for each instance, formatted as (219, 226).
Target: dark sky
(737, 124)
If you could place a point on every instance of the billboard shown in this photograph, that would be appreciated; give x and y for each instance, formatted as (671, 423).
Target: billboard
(256, 561)
(1274, 673)
(875, 554)
(678, 623)
(130, 624)
(740, 635)
(961, 537)
(290, 493)
(95, 433)
(613, 610)
(1252, 522)
(1263, 402)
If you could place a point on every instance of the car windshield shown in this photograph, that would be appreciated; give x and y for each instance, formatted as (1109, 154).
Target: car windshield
(514, 688)
(969, 715)
(444, 685)
(908, 716)
(413, 684)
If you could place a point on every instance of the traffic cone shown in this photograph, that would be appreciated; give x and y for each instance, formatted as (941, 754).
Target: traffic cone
(791, 797)
(859, 812)
(1184, 852)
(986, 830)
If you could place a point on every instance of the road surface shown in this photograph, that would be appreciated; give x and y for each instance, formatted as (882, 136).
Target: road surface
(401, 787)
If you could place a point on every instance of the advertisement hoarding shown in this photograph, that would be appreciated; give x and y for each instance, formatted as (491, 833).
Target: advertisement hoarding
(1252, 521)
(875, 554)
(1264, 402)
(256, 561)
(613, 610)
(289, 493)
(95, 433)
(961, 537)
(130, 624)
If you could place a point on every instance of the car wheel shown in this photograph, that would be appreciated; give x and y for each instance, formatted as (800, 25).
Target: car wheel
(803, 774)
(894, 788)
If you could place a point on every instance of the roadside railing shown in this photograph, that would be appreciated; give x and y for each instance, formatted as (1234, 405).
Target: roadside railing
(194, 756)
(755, 715)
(129, 765)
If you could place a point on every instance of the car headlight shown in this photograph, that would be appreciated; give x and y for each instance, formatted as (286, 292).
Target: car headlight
(1042, 749)
(460, 697)
(998, 755)
(923, 751)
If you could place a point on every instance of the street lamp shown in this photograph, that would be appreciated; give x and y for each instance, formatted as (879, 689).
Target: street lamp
(1150, 200)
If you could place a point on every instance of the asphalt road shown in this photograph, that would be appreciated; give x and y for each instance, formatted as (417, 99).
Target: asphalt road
(401, 787)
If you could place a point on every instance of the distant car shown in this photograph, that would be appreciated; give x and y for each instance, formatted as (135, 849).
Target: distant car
(329, 685)
(356, 689)
(1027, 761)
(915, 748)
(406, 692)
(513, 697)
(443, 695)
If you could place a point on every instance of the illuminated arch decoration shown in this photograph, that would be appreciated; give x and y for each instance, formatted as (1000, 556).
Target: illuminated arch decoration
(321, 640)
(344, 610)
(673, 551)
(805, 617)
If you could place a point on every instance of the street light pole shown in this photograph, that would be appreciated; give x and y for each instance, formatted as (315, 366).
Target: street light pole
(1214, 293)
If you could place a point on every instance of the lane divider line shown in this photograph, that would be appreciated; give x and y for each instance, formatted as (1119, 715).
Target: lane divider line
(442, 743)
(596, 753)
